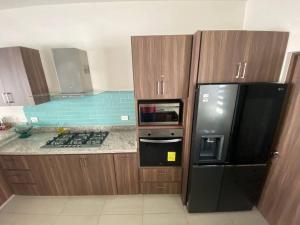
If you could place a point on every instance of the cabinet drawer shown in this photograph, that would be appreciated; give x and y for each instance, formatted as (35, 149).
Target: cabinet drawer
(171, 174)
(19, 177)
(25, 189)
(13, 163)
(160, 188)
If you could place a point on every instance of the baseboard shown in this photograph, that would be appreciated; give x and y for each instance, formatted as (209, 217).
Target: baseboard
(6, 202)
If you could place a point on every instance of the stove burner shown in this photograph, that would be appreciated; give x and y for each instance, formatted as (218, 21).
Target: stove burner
(76, 139)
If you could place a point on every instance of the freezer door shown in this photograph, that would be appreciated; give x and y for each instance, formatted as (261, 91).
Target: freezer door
(258, 111)
(241, 187)
(213, 116)
(204, 188)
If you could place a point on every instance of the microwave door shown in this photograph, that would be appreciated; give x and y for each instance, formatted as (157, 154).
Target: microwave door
(160, 113)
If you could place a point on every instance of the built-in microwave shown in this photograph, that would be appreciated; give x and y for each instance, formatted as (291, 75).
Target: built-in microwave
(160, 112)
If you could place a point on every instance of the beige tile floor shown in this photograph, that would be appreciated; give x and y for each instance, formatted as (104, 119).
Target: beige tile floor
(115, 210)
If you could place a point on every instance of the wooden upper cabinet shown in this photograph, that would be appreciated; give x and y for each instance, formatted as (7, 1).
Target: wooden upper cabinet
(221, 56)
(176, 63)
(161, 66)
(146, 60)
(22, 78)
(127, 177)
(241, 56)
(264, 56)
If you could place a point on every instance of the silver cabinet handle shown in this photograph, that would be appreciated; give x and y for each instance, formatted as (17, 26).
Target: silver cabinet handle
(158, 87)
(4, 97)
(245, 70)
(239, 70)
(161, 141)
(275, 155)
(10, 97)
(163, 87)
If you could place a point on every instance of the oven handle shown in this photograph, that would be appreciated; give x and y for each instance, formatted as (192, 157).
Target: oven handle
(161, 141)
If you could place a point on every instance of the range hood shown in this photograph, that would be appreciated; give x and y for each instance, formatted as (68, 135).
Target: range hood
(73, 71)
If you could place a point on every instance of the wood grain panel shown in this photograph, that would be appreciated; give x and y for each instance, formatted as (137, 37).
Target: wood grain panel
(25, 189)
(161, 188)
(189, 109)
(220, 55)
(146, 62)
(100, 171)
(35, 74)
(280, 201)
(127, 177)
(5, 190)
(171, 174)
(264, 55)
(13, 163)
(176, 62)
(19, 177)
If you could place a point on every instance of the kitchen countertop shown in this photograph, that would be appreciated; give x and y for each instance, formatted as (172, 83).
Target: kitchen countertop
(119, 140)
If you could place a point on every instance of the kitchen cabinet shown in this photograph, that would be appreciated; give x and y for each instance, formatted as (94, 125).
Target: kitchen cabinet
(160, 188)
(77, 174)
(161, 66)
(5, 191)
(160, 180)
(264, 56)
(127, 176)
(22, 78)
(51, 173)
(241, 56)
(60, 174)
(99, 174)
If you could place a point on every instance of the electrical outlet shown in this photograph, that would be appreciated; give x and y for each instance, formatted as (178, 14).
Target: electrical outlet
(34, 119)
(124, 117)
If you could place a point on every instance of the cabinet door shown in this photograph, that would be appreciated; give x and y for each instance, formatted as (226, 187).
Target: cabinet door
(35, 75)
(100, 174)
(13, 77)
(146, 62)
(176, 62)
(221, 56)
(5, 191)
(2, 94)
(264, 56)
(126, 166)
(52, 174)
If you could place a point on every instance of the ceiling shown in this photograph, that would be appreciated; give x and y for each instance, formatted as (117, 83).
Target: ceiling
(9, 4)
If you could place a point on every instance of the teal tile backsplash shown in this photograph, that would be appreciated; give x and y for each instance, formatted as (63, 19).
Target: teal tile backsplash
(102, 109)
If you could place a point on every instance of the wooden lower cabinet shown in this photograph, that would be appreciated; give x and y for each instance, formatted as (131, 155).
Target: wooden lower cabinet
(162, 174)
(160, 180)
(77, 174)
(126, 166)
(14, 163)
(5, 190)
(97, 174)
(161, 188)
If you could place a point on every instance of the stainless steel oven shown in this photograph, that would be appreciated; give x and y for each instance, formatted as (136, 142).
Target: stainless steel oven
(160, 112)
(160, 147)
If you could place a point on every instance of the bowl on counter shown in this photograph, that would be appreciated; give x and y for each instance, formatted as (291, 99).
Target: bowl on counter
(24, 130)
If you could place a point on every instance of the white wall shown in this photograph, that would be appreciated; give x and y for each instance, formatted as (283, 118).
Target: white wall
(104, 30)
(275, 15)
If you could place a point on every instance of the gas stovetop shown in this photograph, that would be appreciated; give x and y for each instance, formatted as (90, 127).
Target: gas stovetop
(77, 140)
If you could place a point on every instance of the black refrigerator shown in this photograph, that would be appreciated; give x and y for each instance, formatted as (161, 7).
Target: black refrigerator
(232, 137)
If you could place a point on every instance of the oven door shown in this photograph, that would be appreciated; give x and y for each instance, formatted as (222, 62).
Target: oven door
(160, 151)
